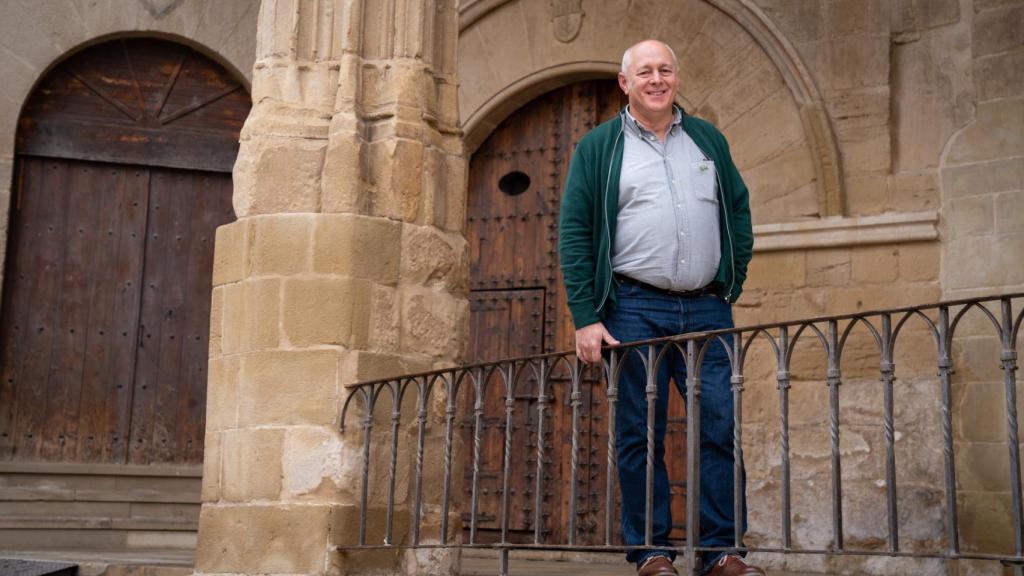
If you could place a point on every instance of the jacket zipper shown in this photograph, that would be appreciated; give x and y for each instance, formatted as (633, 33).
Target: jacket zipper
(607, 227)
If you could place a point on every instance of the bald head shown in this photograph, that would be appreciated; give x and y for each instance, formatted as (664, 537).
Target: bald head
(627, 56)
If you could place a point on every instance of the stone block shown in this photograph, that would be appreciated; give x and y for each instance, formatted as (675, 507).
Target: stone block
(867, 194)
(999, 75)
(357, 246)
(216, 320)
(385, 314)
(263, 539)
(434, 323)
(777, 270)
(919, 262)
(251, 315)
(362, 366)
(997, 132)
(866, 151)
(281, 244)
(318, 465)
(855, 62)
(985, 520)
(222, 393)
(395, 179)
(1001, 175)
(251, 464)
(767, 130)
(1010, 212)
(325, 310)
(801, 20)
(969, 216)
(431, 257)
(976, 358)
(913, 192)
(998, 30)
(828, 267)
(980, 413)
(344, 530)
(852, 17)
(230, 251)
(914, 16)
(970, 262)
(278, 175)
(873, 264)
(211, 487)
(342, 175)
(289, 387)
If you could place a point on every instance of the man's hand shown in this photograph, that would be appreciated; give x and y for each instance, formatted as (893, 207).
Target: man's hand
(589, 340)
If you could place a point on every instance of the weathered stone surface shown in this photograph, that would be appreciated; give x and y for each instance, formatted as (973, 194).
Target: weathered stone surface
(277, 175)
(875, 264)
(288, 387)
(997, 30)
(914, 16)
(919, 262)
(263, 539)
(251, 464)
(222, 393)
(999, 76)
(913, 192)
(829, 267)
(229, 256)
(358, 246)
(318, 466)
(998, 132)
(431, 257)
(280, 244)
(777, 270)
(997, 175)
(211, 490)
(432, 321)
(325, 310)
(251, 315)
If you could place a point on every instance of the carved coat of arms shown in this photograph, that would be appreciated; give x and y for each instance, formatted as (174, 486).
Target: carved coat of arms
(567, 18)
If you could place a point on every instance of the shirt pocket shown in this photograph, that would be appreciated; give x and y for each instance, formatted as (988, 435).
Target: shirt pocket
(704, 180)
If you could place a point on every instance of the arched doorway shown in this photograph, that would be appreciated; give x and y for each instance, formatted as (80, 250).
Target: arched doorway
(517, 307)
(124, 153)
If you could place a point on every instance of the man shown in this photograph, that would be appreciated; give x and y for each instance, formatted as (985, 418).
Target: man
(654, 240)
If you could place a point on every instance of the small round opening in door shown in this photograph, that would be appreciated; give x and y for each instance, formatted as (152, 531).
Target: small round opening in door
(514, 183)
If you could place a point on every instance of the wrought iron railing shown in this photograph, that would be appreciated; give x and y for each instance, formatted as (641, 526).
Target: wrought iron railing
(446, 399)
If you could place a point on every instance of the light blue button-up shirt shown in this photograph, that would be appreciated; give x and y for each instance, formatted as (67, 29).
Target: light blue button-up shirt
(667, 231)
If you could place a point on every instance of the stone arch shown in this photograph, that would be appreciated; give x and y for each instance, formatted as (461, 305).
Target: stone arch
(737, 70)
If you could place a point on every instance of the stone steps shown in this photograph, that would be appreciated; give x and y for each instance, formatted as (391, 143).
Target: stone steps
(57, 506)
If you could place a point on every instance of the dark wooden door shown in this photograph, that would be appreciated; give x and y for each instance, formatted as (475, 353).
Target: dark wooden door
(518, 308)
(106, 301)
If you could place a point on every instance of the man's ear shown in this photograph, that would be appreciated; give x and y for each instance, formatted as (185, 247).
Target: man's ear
(623, 83)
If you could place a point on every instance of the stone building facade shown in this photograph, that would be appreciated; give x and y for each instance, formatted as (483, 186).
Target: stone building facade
(883, 143)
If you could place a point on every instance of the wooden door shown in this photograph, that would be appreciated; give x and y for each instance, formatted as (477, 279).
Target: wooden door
(124, 154)
(518, 308)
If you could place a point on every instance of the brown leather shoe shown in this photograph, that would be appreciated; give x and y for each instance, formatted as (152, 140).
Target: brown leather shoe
(732, 565)
(657, 566)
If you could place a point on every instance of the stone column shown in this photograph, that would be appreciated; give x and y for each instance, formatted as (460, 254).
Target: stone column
(347, 263)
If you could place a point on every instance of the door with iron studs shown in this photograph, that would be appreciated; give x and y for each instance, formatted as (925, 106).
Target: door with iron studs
(518, 308)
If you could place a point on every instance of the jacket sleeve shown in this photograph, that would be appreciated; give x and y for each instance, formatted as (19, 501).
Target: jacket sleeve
(576, 239)
(743, 233)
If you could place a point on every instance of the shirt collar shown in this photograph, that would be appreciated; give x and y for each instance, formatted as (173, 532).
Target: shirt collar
(634, 126)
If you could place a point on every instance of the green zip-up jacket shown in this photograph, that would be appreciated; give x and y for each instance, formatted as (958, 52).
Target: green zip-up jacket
(589, 210)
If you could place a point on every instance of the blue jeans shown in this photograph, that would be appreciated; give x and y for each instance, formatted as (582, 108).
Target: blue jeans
(639, 314)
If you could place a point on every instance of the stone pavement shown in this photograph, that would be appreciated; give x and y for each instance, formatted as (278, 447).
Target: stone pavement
(484, 563)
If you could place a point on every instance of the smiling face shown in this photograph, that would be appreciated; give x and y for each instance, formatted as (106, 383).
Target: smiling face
(650, 81)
